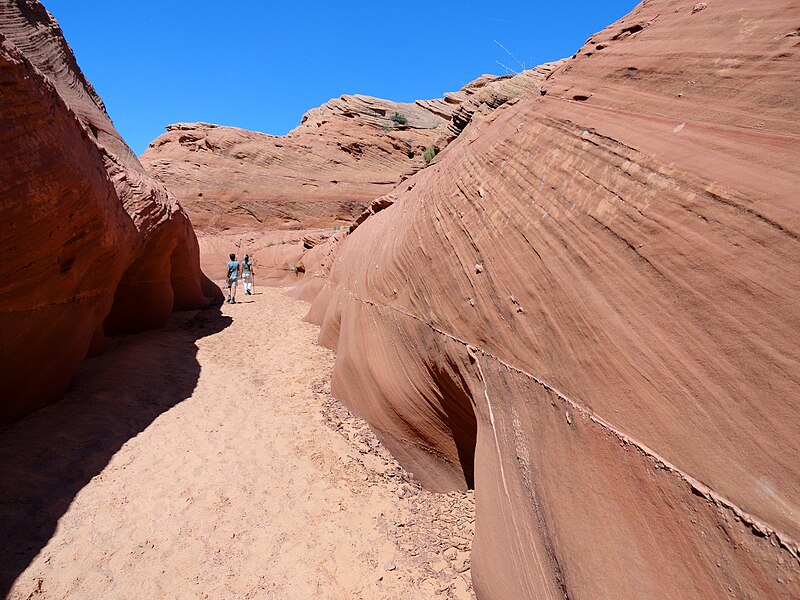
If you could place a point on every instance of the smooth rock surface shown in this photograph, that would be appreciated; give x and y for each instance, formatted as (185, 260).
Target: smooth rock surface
(91, 244)
(343, 155)
(588, 308)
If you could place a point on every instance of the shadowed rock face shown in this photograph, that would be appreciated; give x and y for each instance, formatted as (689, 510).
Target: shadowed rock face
(91, 244)
(343, 155)
(588, 307)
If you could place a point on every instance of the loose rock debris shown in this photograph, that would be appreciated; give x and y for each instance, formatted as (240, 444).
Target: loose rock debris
(435, 531)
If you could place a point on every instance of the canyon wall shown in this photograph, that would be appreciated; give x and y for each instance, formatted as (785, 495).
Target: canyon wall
(588, 309)
(268, 193)
(92, 245)
(344, 154)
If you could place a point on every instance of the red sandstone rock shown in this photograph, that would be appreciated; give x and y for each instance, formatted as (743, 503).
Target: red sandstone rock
(245, 188)
(342, 156)
(596, 294)
(277, 255)
(91, 244)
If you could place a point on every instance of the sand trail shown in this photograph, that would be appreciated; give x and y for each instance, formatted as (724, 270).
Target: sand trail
(207, 460)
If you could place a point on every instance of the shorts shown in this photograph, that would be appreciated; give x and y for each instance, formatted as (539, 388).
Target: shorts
(230, 283)
(247, 278)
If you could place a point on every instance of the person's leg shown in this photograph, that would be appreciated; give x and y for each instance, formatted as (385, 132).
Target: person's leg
(233, 291)
(228, 286)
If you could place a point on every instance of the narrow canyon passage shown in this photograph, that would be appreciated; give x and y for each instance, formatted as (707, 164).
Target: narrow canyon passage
(207, 460)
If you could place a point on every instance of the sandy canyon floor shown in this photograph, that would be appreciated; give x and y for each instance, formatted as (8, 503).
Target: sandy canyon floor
(208, 460)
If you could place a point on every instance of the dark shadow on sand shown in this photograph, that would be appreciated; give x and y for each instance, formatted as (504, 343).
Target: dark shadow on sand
(49, 456)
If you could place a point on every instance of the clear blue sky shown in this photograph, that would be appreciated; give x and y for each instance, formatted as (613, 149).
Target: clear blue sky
(260, 64)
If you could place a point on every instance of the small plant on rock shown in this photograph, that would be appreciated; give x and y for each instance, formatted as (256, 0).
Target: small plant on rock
(428, 154)
(399, 118)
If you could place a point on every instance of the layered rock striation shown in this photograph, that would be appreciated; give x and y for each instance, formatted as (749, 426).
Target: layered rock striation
(91, 244)
(588, 309)
(265, 194)
(343, 155)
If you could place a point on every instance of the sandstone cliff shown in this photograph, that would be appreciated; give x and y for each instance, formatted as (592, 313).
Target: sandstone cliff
(91, 244)
(344, 154)
(588, 308)
(268, 193)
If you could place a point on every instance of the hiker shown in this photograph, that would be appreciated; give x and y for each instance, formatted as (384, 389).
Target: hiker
(247, 275)
(233, 274)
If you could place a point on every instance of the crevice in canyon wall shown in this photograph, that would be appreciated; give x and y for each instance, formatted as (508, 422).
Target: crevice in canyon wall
(457, 404)
(144, 297)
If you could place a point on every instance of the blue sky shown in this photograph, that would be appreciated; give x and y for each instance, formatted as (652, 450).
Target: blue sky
(260, 64)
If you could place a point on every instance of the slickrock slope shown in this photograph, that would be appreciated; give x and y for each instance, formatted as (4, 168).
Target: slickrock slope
(596, 293)
(267, 194)
(344, 154)
(91, 244)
